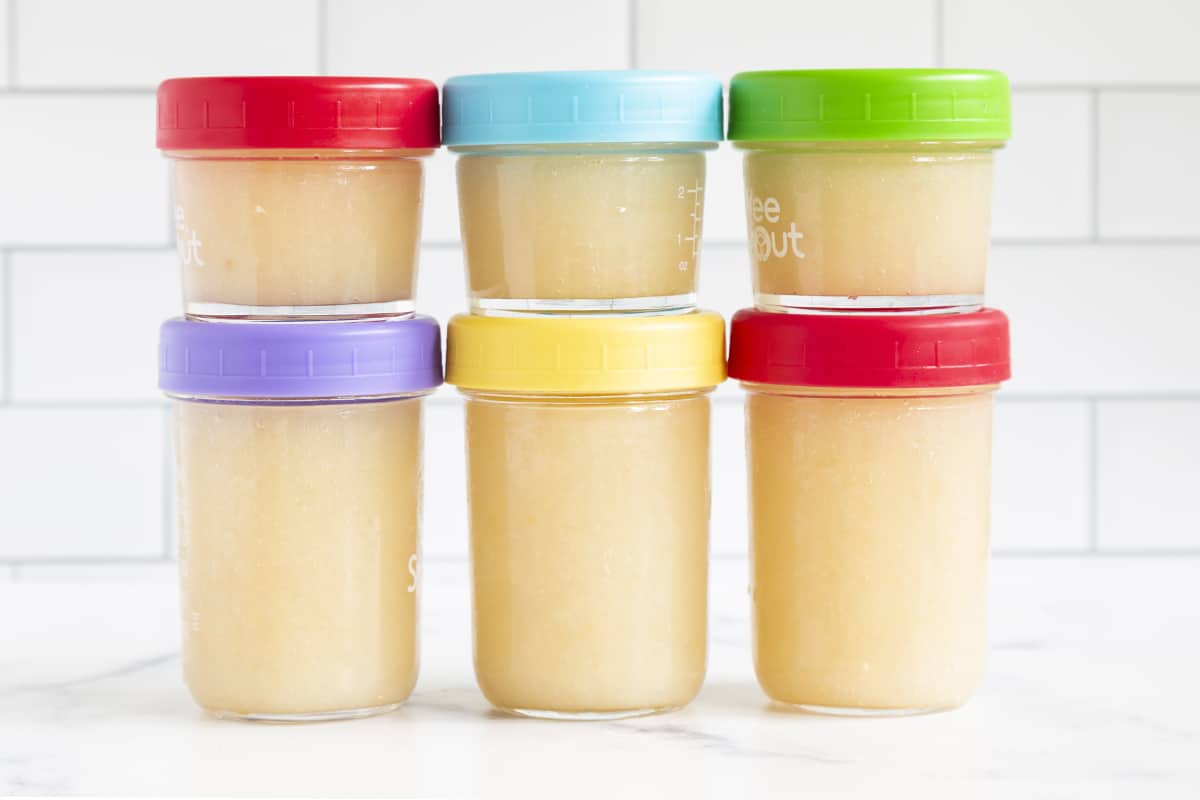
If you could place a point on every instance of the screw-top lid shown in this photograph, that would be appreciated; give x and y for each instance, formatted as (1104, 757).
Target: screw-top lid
(582, 356)
(297, 113)
(582, 107)
(294, 360)
(887, 351)
(869, 104)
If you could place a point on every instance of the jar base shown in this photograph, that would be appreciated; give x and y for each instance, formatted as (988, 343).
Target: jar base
(344, 311)
(846, 711)
(620, 306)
(301, 717)
(868, 304)
(587, 716)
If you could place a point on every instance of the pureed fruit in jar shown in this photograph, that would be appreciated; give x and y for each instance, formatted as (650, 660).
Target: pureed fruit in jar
(588, 469)
(869, 450)
(298, 450)
(582, 192)
(297, 197)
(869, 189)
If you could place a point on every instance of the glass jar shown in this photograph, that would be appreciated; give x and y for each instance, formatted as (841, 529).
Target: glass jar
(297, 197)
(869, 190)
(869, 452)
(298, 453)
(588, 469)
(582, 192)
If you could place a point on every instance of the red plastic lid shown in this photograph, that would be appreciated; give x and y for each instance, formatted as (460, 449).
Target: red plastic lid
(870, 350)
(298, 113)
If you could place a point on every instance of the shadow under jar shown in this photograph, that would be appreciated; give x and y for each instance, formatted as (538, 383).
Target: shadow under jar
(298, 460)
(582, 192)
(589, 507)
(869, 451)
(869, 190)
(297, 197)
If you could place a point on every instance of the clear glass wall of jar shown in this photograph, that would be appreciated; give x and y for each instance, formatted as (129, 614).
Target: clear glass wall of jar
(297, 197)
(869, 453)
(589, 506)
(582, 192)
(299, 486)
(869, 190)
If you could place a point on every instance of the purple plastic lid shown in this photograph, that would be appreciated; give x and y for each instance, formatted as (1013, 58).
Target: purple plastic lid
(299, 359)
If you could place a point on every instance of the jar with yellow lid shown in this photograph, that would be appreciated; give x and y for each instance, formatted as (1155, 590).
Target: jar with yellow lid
(588, 485)
(869, 450)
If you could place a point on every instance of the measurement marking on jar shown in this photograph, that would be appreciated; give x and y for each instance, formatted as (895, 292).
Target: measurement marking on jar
(697, 217)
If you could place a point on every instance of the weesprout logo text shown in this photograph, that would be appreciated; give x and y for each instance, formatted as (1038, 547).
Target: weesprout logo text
(767, 242)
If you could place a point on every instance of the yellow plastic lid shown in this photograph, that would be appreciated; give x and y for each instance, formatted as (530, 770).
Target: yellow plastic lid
(580, 356)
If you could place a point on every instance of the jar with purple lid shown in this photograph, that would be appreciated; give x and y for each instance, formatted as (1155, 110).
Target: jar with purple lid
(298, 453)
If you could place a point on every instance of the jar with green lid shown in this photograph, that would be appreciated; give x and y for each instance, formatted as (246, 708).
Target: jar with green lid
(869, 190)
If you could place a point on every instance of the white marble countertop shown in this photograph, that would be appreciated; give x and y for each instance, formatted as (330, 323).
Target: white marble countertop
(1093, 691)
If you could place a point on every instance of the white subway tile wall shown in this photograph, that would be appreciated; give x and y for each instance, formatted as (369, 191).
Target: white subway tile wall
(131, 44)
(1043, 180)
(1148, 174)
(1097, 253)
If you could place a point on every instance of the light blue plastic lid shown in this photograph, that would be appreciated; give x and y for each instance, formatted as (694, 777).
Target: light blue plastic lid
(581, 107)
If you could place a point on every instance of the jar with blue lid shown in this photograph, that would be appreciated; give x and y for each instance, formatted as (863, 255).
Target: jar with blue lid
(582, 192)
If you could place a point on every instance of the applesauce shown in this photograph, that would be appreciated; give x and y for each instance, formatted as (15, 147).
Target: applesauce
(299, 516)
(297, 197)
(869, 505)
(589, 508)
(582, 192)
(869, 190)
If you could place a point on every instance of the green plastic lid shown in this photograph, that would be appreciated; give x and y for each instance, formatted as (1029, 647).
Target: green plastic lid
(829, 105)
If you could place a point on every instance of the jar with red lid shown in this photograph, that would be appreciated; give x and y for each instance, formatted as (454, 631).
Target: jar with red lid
(869, 452)
(297, 197)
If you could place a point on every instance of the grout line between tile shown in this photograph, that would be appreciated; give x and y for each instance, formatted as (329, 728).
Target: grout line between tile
(6, 327)
(939, 33)
(1148, 87)
(1093, 476)
(93, 405)
(11, 37)
(27, 247)
(82, 561)
(55, 91)
(1107, 397)
(1095, 143)
(632, 11)
(322, 37)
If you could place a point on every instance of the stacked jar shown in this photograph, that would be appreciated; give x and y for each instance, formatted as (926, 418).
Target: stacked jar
(586, 370)
(297, 375)
(869, 364)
